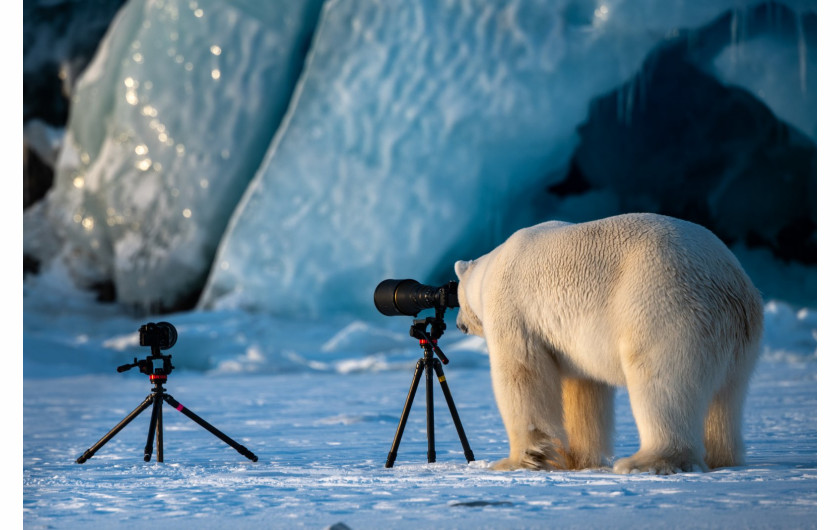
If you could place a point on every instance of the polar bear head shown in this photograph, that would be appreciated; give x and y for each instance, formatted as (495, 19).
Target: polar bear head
(469, 299)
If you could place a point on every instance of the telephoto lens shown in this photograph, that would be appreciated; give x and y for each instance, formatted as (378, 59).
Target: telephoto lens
(409, 297)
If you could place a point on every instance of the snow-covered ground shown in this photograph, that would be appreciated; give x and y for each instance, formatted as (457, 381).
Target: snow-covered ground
(319, 402)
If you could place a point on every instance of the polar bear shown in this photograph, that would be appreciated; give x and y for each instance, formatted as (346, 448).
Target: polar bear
(653, 303)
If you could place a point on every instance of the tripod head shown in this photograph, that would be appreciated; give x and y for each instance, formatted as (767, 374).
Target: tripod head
(160, 336)
(428, 340)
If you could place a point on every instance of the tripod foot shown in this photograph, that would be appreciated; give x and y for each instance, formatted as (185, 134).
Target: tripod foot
(247, 454)
(241, 449)
(117, 428)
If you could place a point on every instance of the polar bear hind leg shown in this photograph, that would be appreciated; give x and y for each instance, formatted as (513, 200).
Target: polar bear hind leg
(588, 419)
(669, 412)
(722, 436)
(722, 430)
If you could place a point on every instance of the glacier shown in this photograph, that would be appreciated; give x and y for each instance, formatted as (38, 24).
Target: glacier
(286, 157)
(167, 126)
(59, 40)
(685, 140)
(415, 171)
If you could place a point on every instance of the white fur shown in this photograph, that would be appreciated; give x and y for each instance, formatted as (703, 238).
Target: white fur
(570, 311)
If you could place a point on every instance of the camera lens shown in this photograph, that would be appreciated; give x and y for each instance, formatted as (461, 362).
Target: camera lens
(409, 297)
(391, 298)
(168, 335)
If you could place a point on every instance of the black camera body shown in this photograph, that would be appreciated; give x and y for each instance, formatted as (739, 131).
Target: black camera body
(409, 297)
(161, 335)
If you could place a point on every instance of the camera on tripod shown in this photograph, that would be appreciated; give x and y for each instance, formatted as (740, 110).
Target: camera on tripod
(409, 297)
(159, 336)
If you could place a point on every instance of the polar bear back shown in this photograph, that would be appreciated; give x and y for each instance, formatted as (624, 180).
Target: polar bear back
(608, 292)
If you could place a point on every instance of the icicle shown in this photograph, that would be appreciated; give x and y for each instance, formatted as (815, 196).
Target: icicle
(619, 104)
(737, 31)
(628, 106)
(645, 81)
(803, 55)
(733, 35)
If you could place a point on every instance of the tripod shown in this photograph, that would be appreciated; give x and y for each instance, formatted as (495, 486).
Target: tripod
(428, 363)
(157, 367)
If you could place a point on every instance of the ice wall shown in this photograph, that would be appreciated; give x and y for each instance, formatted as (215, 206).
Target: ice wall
(689, 144)
(775, 59)
(418, 133)
(421, 134)
(59, 39)
(168, 125)
(685, 139)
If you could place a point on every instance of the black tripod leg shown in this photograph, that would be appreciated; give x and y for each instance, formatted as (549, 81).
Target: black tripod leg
(430, 412)
(451, 402)
(113, 432)
(159, 429)
(219, 434)
(392, 456)
(156, 413)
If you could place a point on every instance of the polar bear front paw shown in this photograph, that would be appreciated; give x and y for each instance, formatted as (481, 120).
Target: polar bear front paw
(505, 464)
(658, 465)
(540, 456)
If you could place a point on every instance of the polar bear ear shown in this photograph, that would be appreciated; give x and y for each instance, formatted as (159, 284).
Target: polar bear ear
(461, 267)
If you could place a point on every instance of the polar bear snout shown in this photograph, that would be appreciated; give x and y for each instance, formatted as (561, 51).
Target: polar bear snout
(468, 322)
(460, 321)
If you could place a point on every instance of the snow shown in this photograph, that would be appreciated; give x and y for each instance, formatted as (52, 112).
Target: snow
(318, 402)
